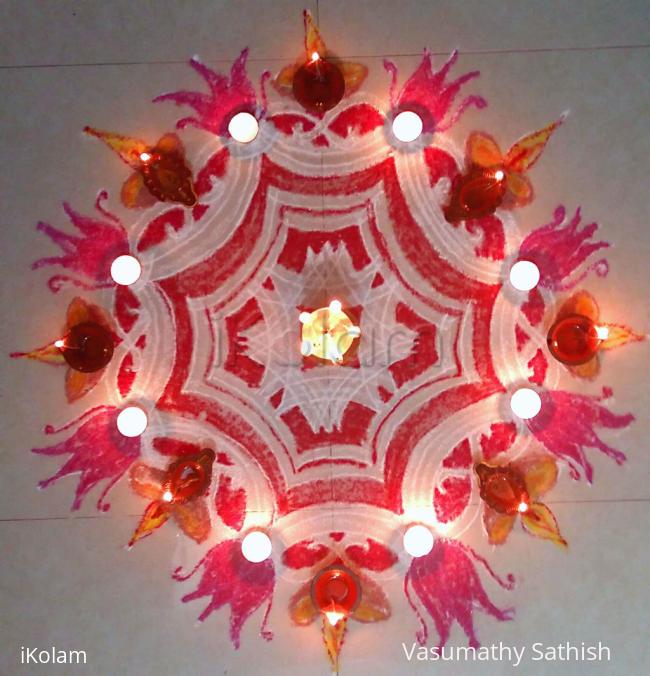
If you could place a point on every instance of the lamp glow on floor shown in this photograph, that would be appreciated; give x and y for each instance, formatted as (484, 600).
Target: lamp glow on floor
(243, 127)
(524, 275)
(126, 270)
(418, 540)
(525, 403)
(407, 126)
(132, 421)
(256, 546)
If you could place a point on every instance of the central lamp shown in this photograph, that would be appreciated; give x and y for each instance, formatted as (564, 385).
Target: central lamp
(327, 333)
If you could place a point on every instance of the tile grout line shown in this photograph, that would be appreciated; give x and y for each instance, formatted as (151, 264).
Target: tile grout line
(470, 52)
(471, 504)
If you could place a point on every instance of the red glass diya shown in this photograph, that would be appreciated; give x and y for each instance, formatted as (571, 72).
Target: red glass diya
(87, 347)
(573, 339)
(336, 592)
(188, 477)
(318, 85)
(502, 488)
(476, 194)
(167, 176)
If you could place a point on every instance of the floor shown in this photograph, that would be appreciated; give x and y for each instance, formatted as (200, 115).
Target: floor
(66, 578)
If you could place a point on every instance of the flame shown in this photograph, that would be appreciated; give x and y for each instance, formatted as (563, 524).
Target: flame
(334, 616)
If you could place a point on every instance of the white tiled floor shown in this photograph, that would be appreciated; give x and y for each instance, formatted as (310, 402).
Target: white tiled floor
(66, 580)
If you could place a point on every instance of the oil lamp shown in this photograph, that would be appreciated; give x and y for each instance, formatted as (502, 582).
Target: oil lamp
(574, 339)
(87, 347)
(189, 477)
(502, 488)
(336, 592)
(476, 194)
(318, 85)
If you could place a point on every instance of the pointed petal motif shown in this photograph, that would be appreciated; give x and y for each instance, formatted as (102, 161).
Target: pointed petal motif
(80, 311)
(304, 554)
(227, 96)
(448, 586)
(333, 637)
(301, 608)
(228, 578)
(430, 94)
(230, 503)
(283, 81)
(540, 521)
(525, 152)
(48, 354)
(127, 148)
(581, 303)
(520, 190)
(354, 75)
(193, 518)
(568, 436)
(135, 194)
(497, 526)
(499, 440)
(374, 605)
(313, 40)
(560, 248)
(155, 515)
(146, 481)
(483, 150)
(89, 255)
(619, 335)
(587, 371)
(540, 473)
(78, 384)
(373, 555)
(97, 452)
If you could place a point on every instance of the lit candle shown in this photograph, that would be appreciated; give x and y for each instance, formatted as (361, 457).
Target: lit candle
(327, 333)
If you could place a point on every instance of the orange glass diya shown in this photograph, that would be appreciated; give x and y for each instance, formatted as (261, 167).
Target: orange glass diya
(167, 176)
(189, 477)
(87, 347)
(502, 488)
(573, 339)
(476, 194)
(318, 85)
(336, 592)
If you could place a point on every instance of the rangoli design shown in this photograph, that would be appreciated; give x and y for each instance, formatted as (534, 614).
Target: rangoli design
(255, 420)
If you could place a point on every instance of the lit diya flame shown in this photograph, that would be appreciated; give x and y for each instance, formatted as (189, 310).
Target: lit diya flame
(161, 171)
(327, 333)
(86, 346)
(512, 491)
(178, 492)
(336, 593)
(317, 81)
(502, 488)
(493, 179)
(578, 334)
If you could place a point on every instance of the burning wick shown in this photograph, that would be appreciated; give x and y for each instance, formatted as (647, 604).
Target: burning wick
(602, 332)
(167, 496)
(499, 175)
(333, 616)
(523, 507)
(145, 157)
(315, 56)
(59, 343)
